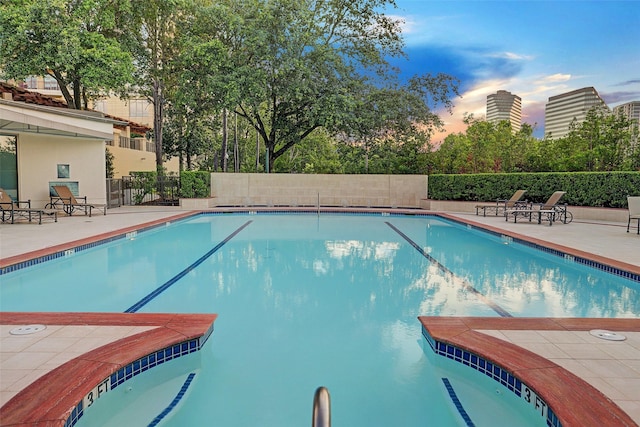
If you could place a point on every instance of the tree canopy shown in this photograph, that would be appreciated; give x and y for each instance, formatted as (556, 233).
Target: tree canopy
(294, 66)
(602, 142)
(76, 43)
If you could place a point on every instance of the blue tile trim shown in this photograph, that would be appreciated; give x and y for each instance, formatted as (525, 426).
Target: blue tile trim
(174, 402)
(495, 307)
(137, 306)
(578, 259)
(76, 414)
(495, 372)
(141, 365)
(457, 403)
(59, 254)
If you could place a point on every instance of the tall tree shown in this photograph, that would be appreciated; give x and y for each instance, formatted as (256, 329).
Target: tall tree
(75, 42)
(153, 30)
(299, 65)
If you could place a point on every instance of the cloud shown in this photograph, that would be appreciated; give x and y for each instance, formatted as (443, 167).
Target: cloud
(553, 78)
(620, 97)
(628, 82)
(513, 56)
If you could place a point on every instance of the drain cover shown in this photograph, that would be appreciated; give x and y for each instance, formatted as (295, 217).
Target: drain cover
(27, 329)
(607, 335)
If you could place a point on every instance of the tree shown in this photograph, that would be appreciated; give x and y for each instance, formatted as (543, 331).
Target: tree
(298, 66)
(76, 43)
(153, 30)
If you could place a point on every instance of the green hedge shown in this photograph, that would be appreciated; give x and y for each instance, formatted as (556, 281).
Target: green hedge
(195, 184)
(601, 189)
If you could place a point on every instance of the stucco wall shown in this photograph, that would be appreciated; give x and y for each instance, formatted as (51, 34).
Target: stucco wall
(127, 160)
(39, 155)
(241, 189)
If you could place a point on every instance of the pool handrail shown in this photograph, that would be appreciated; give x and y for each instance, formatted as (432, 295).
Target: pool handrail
(321, 408)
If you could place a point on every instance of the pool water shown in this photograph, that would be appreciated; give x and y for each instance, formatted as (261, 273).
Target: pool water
(330, 300)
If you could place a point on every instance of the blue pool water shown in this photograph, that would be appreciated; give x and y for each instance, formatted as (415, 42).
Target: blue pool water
(332, 300)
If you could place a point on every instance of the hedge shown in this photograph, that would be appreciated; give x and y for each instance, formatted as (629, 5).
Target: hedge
(195, 184)
(596, 189)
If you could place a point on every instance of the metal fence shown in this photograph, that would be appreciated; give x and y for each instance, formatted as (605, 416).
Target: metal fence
(130, 190)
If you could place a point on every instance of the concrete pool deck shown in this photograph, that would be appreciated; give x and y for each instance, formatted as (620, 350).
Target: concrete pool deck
(616, 374)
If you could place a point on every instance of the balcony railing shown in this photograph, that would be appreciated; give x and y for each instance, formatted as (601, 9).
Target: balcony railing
(139, 144)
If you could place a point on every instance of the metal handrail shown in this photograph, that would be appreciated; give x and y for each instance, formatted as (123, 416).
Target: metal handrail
(321, 408)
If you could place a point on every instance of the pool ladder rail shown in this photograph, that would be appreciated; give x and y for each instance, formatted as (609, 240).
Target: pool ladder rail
(321, 408)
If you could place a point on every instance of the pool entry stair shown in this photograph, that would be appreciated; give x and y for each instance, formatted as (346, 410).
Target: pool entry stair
(560, 398)
(62, 396)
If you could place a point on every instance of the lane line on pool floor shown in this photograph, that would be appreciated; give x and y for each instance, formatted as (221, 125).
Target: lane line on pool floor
(456, 402)
(174, 402)
(464, 283)
(137, 306)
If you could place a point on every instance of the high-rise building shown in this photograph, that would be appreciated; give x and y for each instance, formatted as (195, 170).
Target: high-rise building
(630, 110)
(562, 110)
(504, 105)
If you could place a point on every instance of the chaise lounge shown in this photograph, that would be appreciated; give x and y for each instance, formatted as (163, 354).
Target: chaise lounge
(634, 211)
(550, 211)
(502, 205)
(11, 209)
(65, 200)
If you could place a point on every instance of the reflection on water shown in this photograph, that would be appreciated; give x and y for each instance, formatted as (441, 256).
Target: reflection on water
(529, 282)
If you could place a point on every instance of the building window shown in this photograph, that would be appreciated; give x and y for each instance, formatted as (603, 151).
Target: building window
(100, 105)
(50, 83)
(138, 108)
(9, 165)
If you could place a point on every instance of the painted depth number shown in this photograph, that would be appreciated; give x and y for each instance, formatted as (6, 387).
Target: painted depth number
(97, 391)
(534, 400)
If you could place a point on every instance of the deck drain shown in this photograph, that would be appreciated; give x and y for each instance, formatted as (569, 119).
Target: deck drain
(27, 329)
(607, 335)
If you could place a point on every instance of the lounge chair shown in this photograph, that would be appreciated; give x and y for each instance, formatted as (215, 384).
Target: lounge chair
(503, 204)
(634, 211)
(65, 200)
(11, 209)
(550, 211)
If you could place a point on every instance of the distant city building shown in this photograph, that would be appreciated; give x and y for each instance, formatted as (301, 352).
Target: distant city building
(562, 110)
(504, 105)
(631, 111)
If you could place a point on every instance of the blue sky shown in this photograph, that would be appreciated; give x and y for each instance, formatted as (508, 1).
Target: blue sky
(534, 49)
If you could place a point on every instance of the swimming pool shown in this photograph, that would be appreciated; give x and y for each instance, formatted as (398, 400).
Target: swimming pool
(311, 300)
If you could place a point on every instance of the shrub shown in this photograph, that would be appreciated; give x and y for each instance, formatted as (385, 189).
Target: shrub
(195, 184)
(596, 189)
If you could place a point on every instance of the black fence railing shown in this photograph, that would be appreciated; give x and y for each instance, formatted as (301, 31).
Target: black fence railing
(147, 190)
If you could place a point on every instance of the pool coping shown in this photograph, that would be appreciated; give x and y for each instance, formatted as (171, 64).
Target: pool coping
(574, 401)
(51, 399)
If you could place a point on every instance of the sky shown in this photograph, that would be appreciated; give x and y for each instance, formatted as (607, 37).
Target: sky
(533, 49)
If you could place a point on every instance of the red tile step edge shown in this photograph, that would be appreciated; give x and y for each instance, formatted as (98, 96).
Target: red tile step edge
(49, 400)
(574, 401)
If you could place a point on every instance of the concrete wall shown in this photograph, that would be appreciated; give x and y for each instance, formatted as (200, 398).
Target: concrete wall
(242, 189)
(39, 155)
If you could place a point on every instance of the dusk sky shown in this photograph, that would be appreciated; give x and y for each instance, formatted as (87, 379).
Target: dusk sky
(534, 49)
